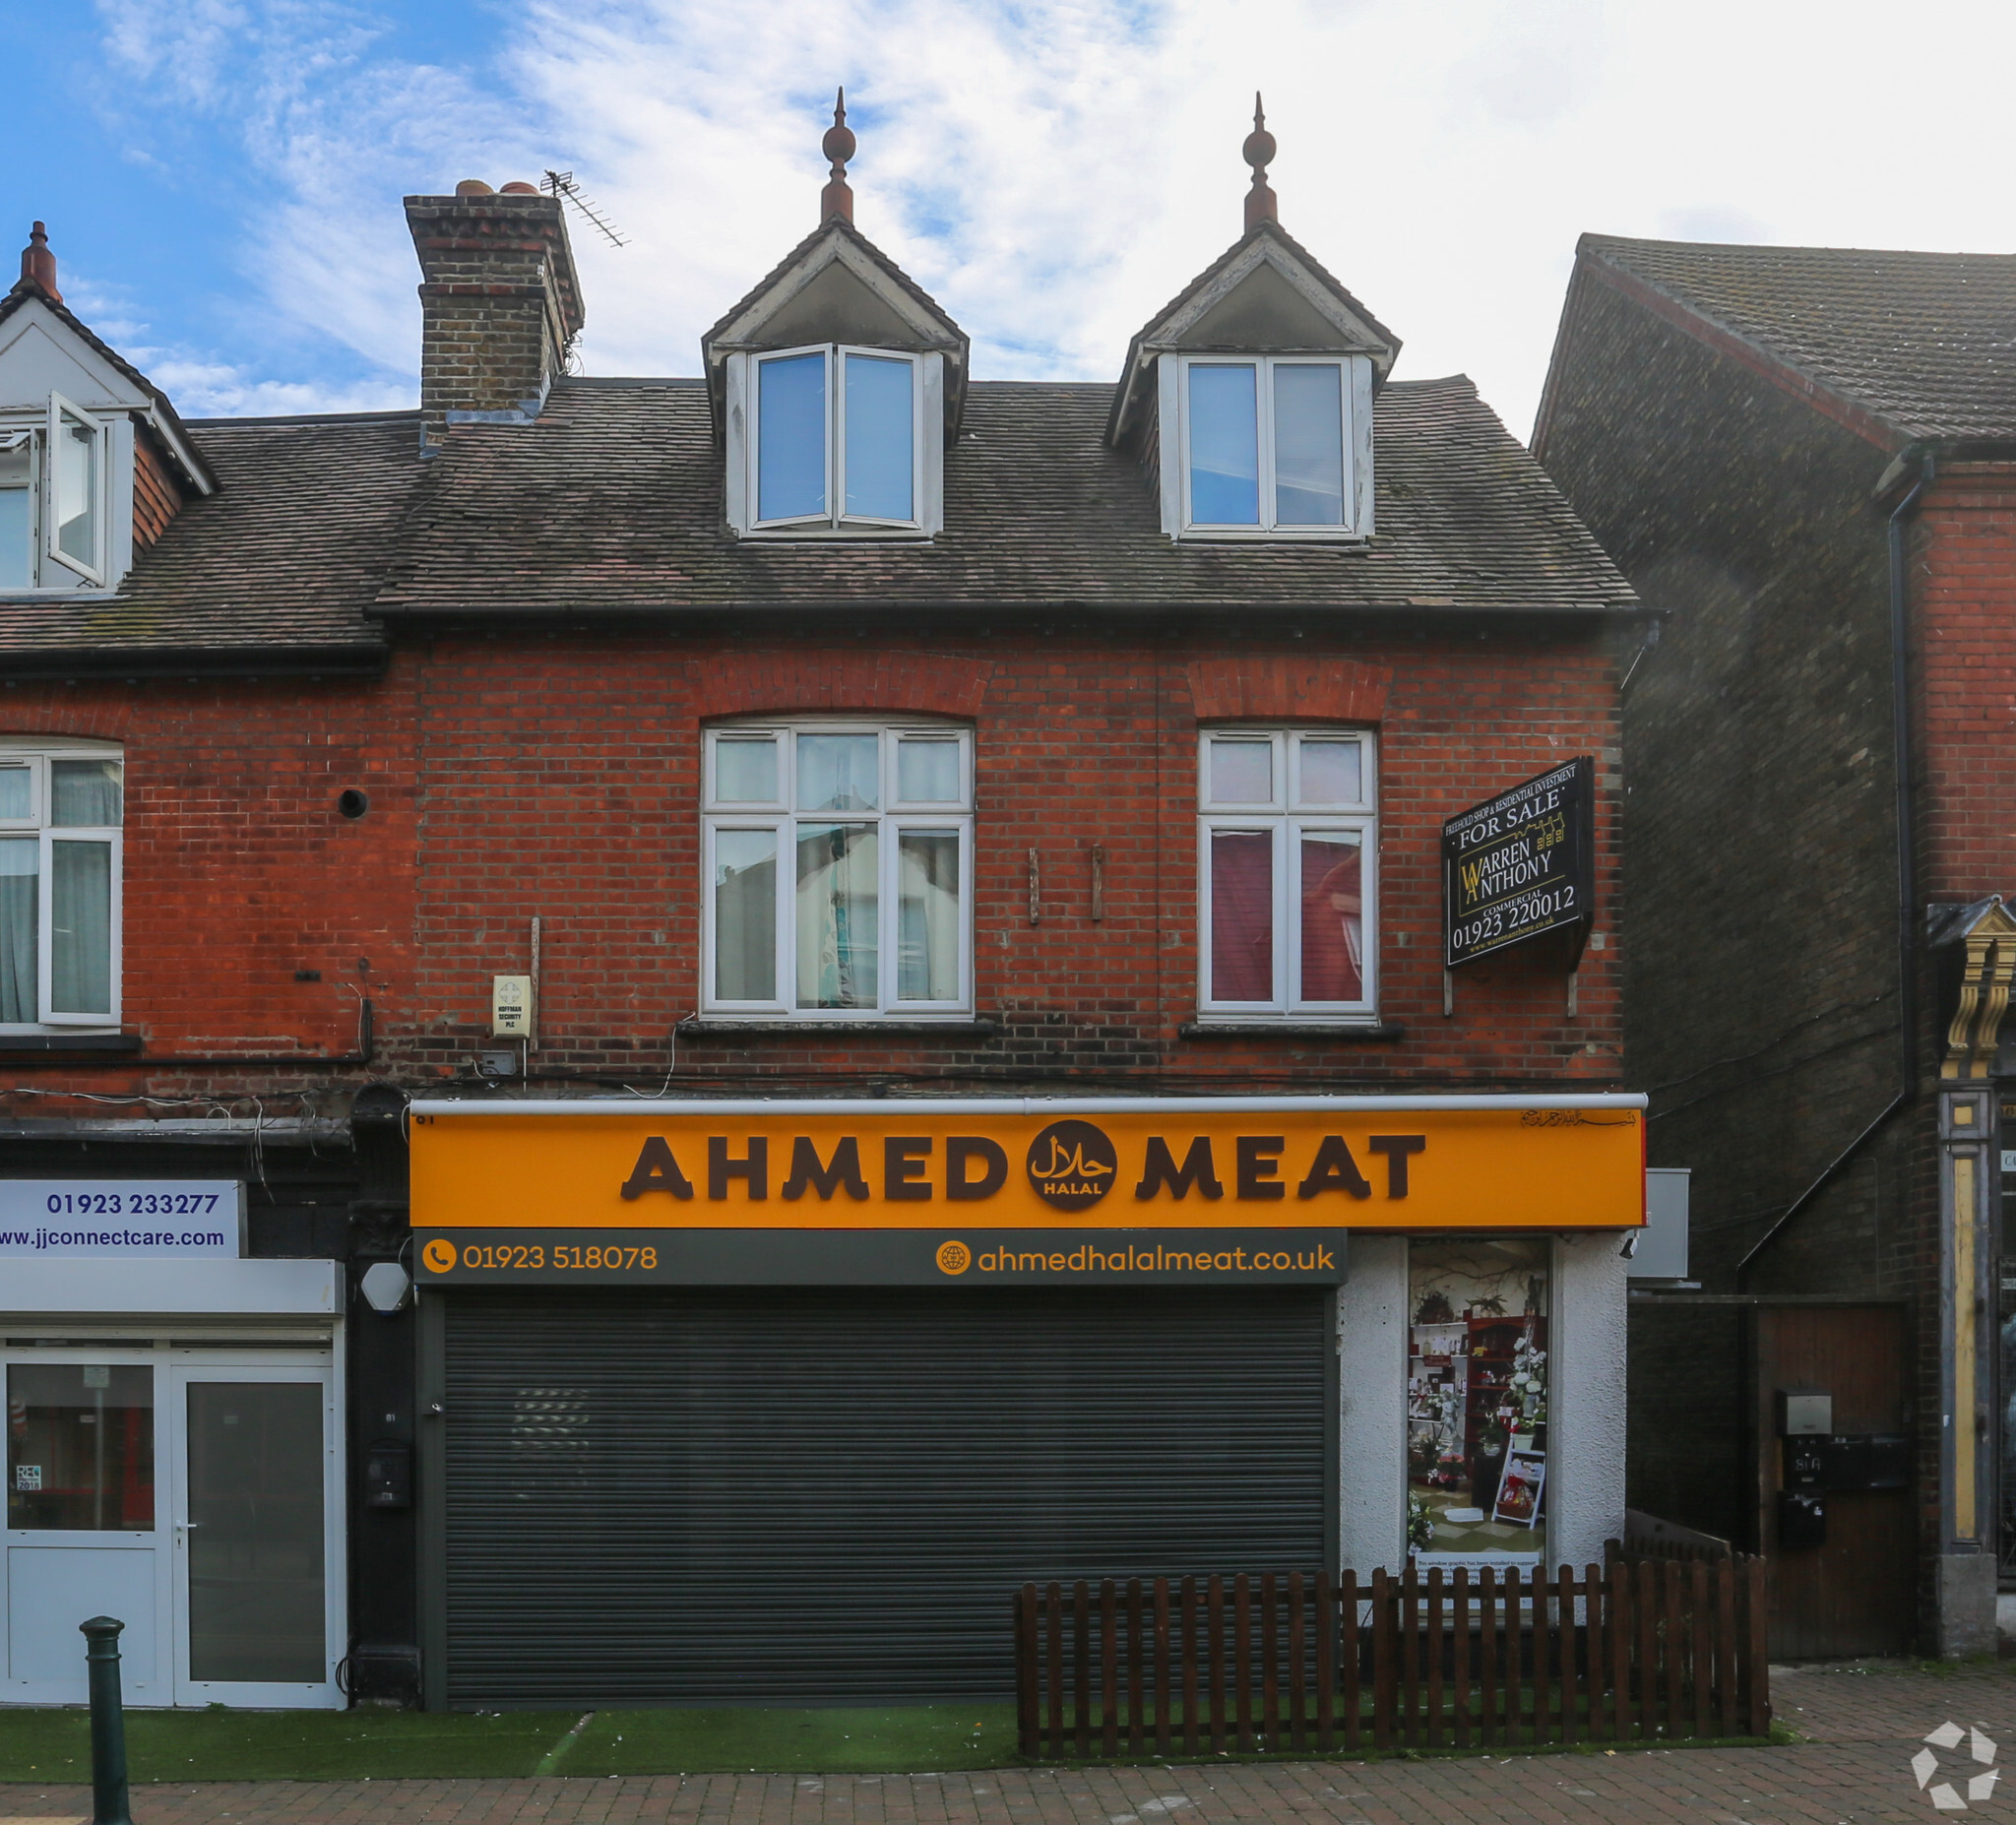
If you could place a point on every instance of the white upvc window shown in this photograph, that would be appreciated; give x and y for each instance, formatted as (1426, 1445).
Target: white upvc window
(61, 812)
(1287, 874)
(833, 439)
(839, 859)
(54, 498)
(1274, 447)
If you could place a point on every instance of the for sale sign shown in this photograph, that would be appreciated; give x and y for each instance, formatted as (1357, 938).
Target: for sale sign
(1521, 865)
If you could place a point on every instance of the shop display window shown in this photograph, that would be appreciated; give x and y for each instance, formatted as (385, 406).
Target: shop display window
(1477, 1400)
(80, 1446)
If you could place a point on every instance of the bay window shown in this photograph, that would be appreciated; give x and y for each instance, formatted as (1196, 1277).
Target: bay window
(1270, 445)
(1288, 871)
(834, 439)
(60, 816)
(53, 498)
(838, 871)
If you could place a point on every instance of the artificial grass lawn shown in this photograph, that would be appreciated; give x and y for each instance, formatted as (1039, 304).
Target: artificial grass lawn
(215, 1744)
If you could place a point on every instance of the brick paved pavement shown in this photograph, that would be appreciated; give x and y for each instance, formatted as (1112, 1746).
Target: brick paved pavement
(1861, 1726)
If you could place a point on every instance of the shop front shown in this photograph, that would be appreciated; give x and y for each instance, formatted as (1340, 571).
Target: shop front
(775, 1400)
(173, 1450)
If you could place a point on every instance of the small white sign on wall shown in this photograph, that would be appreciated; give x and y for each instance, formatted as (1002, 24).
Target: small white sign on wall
(175, 1219)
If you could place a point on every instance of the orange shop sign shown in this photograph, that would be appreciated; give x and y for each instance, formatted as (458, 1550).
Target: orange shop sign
(1330, 1162)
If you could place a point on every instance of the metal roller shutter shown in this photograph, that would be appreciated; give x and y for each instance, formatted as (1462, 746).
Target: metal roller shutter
(801, 1494)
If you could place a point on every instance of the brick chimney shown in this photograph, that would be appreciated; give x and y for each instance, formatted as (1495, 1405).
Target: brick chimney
(499, 304)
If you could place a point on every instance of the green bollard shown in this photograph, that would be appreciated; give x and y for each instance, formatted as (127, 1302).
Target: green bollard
(110, 1805)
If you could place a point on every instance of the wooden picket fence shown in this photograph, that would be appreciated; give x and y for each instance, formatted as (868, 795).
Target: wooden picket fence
(1292, 1663)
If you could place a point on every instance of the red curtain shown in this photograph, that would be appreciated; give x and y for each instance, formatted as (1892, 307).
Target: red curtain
(1242, 915)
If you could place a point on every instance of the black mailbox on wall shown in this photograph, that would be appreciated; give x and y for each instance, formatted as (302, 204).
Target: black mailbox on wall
(389, 1475)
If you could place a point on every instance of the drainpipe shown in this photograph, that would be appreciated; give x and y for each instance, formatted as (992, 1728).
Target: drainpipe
(1907, 867)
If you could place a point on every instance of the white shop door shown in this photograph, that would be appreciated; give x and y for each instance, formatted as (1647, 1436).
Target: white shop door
(85, 1535)
(255, 1532)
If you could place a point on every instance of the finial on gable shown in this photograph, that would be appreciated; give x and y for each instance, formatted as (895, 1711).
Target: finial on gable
(1258, 152)
(39, 264)
(838, 147)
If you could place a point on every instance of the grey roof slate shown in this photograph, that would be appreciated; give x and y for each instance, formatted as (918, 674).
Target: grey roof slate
(612, 503)
(287, 553)
(1924, 341)
(326, 529)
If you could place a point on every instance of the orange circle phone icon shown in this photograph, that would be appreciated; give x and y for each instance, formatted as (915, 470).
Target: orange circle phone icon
(439, 1254)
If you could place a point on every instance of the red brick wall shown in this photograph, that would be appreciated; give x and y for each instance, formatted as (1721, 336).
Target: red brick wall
(1964, 600)
(559, 776)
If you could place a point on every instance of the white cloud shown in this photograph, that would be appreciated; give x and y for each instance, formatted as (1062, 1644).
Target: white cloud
(1053, 171)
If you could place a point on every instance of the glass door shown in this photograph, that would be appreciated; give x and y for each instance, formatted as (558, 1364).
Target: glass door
(82, 1534)
(255, 1532)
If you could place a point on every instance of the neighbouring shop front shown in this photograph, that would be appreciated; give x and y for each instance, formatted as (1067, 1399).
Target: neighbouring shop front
(772, 1400)
(173, 1448)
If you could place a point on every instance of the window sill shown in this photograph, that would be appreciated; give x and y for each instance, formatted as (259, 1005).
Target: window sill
(835, 535)
(1363, 1033)
(1232, 536)
(69, 1041)
(953, 1029)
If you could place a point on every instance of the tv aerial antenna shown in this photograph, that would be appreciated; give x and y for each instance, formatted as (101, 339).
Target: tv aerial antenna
(561, 184)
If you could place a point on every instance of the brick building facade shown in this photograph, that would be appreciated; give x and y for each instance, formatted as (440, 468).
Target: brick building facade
(1800, 456)
(411, 702)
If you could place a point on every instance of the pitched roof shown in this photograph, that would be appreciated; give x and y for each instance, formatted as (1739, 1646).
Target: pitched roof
(183, 445)
(1924, 342)
(611, 505)
(1273, 230)
(286, 555)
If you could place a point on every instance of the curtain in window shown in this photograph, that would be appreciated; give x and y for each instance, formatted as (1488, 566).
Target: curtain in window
(18, 875)
(837, 910)
(85, 793)
(80, 929)
(1333, 916)
(1242, 915)
(745, 915)
(840, 772)
(927, 915)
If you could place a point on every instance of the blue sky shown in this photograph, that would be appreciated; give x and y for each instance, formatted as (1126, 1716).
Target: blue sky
(222, 177)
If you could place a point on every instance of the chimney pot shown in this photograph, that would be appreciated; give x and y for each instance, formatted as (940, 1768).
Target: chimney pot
(38, 264)
(520, 189)
(473, 188)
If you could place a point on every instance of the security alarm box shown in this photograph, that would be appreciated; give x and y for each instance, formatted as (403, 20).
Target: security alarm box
(389, 1475)
(511, 1007)
(1804, 1413)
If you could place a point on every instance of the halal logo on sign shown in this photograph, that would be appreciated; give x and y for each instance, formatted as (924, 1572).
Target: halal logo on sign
(1072, 1165)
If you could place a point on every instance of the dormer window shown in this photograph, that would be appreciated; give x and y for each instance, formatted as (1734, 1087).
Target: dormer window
(1266, 445)
(834, 440)
(53, 498)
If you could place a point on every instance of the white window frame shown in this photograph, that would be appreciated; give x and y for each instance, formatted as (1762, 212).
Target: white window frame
(927, 447)
(44, 425)
(59, 409)
(1355, 384)
(895, 817)
(37, 763)
(1283, 817)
